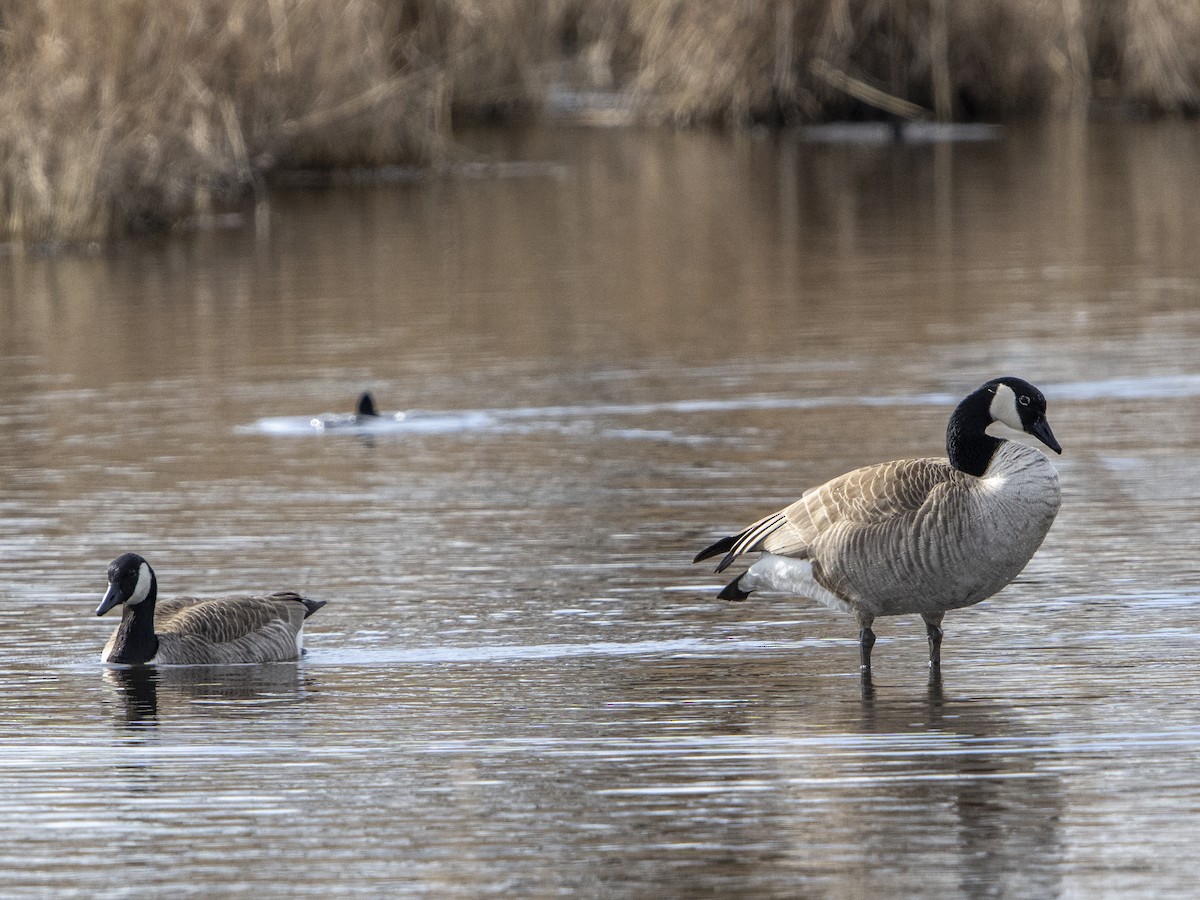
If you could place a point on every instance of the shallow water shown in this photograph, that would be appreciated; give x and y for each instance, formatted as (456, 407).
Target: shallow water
(608, 354)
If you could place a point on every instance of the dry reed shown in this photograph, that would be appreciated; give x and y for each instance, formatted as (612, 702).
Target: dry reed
(1160, 54)
(804, 60)
(120, 114)
(793, 60)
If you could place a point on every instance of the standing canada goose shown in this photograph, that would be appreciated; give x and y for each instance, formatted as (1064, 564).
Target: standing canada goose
(193, 631)
(914, 535)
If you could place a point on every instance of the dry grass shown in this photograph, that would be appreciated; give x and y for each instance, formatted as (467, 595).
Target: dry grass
(491, 51)
(793, 60)
(805, 60)
(120, 114)
(1159, 48)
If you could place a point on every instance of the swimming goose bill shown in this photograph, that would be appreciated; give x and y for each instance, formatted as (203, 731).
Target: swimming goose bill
(111, 598)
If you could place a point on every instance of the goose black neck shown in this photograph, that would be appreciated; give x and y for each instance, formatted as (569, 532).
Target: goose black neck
(136, 641)
(968, 444)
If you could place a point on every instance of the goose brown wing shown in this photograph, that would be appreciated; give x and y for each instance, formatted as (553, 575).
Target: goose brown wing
(865, 497)
(221, 620)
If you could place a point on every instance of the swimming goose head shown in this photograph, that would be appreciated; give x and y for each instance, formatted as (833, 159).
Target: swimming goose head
(130, 581)
(1011, 401)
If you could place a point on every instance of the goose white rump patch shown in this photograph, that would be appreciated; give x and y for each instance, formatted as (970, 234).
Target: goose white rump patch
(791, 576)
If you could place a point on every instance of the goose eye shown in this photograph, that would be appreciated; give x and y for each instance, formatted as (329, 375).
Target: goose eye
(1024, 401)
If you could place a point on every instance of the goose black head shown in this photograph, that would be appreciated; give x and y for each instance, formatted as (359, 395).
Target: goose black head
(130, 581)
(1011, 401)
(1021, 406)
(366, 405)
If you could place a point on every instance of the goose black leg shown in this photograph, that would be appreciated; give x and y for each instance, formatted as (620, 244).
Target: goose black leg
(933, 629)
(866, 640)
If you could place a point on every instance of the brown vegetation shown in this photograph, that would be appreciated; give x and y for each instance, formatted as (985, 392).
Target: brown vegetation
(805, 60)
(130, 113)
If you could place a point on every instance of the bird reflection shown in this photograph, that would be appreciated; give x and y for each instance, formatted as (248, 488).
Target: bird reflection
(147, 693)
(934, 693)
(829, 777)
(933, 690)
(137, 688)
(1003, 824)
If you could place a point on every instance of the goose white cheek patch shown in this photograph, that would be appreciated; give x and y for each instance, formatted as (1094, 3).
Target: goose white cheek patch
(142, 589)
(1004, 407)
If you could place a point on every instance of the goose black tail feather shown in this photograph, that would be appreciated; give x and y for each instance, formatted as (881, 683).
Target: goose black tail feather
(724, 545)
(311, 606)
(731, 591)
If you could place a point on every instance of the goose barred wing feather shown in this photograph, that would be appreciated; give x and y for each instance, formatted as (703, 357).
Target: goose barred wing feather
(868, 498)
(230, 629)
(869, 495)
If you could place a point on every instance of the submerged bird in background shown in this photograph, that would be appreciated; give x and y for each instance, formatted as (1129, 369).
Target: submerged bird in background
(914, 535)
(364, 413)
(366, 405)
(193, 631)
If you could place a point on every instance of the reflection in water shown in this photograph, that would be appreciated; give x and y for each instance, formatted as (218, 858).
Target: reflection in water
(999, 819)
(235, 689)
(137, 688)
(755, 777)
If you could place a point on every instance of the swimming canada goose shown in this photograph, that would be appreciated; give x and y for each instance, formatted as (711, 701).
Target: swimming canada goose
(914, 535)
(192, 631)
